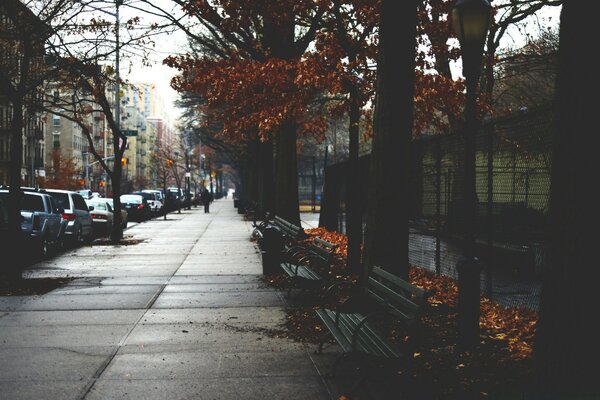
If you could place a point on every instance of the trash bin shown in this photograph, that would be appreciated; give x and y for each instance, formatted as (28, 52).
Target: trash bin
(236, 202)
(272, 248)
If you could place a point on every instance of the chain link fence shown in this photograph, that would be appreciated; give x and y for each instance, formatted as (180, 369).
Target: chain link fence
(512, 183)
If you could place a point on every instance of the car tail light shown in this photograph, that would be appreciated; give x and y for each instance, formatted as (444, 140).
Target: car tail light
(68, 217)
(140, 207)
(98, 216)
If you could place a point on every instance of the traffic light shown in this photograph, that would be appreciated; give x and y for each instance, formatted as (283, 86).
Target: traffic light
(102, 183)
(169, 163)
(123, 162)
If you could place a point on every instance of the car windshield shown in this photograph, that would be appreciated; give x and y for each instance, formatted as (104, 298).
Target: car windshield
(62, 199)
(98, 205)
(130, 198)
(147, 196)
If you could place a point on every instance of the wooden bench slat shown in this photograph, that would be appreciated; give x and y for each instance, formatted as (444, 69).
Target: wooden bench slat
(390, 295)
(331, 325)
(398, 281)
(398, 313)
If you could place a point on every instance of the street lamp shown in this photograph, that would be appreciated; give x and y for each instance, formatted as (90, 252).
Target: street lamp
(470, 20)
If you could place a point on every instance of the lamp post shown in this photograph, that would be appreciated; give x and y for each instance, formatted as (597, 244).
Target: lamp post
(470, 20)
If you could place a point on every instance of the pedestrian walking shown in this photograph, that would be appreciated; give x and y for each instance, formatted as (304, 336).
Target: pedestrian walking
(206, 198)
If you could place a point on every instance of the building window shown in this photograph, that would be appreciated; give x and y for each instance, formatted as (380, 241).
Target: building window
(55, 120)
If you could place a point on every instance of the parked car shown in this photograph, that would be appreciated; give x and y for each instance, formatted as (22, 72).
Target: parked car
(153, 202)
(124, 215)
(159, 196)
(85, 193)
(175, 198)
(41, 220)
(102, 216)
(137, 207)
(76, 215)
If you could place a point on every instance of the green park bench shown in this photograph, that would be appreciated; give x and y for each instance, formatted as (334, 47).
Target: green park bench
(353, 323)
(299, 264)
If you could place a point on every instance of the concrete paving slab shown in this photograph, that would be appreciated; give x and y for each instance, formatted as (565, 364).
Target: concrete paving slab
(136, 280)
(42, 389)
(66, 318)
(215, 287)
(220, 270)
(231, 315)
(89, 302)
(201, 300)
(228, 278)
(271, 388)
(46, 363)
(210, 337)
(106, 289)
(62, 336)
(14, 302)
(195, 364)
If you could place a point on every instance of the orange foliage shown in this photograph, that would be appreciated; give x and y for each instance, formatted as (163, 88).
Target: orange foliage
(63, 173)
(251, 91)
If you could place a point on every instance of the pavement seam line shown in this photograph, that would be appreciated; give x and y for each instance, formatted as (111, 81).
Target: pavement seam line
(88, 388)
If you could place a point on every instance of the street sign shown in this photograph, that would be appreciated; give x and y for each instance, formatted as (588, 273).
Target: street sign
(188, 174)
(129, 132)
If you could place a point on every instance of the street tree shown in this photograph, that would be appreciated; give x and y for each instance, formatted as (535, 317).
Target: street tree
(63, 173)
(566, 348)
(259, 42)
(387, 209)
(346, 48)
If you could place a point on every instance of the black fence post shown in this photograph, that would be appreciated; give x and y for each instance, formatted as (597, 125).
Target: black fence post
(314, 184)
(490, 219)
(438, 200)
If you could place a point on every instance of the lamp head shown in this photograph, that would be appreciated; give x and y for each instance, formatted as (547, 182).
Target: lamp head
(470, 21)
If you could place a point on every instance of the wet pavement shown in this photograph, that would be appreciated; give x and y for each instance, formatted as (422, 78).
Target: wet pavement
(181, 315)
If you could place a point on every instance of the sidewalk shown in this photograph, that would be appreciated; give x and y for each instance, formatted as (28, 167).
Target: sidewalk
(182, 315)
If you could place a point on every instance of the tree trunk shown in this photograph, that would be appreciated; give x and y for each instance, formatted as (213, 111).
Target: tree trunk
(567, 347)
(117, 230)
(387, 215)
(251, 188)
(15, 257)
(286, 175)
(266, 185)
(330, 200)
(353, 212)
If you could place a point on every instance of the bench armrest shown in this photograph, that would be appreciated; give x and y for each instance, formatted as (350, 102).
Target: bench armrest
(295, 251)
(361, 325)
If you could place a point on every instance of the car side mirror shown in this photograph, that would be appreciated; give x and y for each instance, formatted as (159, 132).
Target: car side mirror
(91, 208)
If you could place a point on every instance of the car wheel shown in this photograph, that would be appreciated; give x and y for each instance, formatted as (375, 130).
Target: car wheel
(44, 247)
(89, 238)
(78, 237)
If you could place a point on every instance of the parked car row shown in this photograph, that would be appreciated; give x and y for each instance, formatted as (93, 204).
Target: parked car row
(52, 218)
